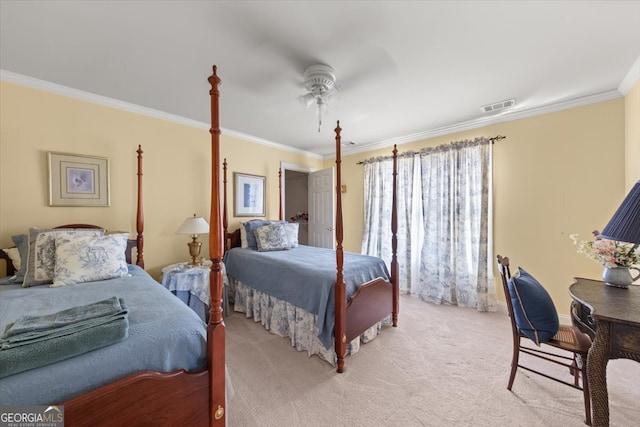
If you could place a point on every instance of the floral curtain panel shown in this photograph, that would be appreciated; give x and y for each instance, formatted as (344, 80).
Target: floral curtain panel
(378, 178)
(444, 222)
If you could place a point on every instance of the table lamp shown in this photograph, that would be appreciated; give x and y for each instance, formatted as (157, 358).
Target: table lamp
(624, 226)
(194, 226)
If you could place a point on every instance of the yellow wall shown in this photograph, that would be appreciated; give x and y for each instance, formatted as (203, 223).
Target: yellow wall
(176, 168)
(632, 135)
(555, 175)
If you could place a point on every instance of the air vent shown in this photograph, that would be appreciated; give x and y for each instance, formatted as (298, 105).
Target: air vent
(347, 143)
(497, 106)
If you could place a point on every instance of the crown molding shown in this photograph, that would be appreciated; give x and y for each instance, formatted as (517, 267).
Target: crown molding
(20, 79)
(631, 78)
(504, 116)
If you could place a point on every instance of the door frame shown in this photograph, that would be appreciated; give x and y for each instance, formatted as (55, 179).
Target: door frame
(286, 166)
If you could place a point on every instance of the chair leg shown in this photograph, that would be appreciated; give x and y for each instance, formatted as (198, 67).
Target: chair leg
(575, 370)
(586, 392)
(514, 362)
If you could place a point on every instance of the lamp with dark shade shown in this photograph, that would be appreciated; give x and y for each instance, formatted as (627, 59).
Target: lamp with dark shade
(624, 226)
(194, 226)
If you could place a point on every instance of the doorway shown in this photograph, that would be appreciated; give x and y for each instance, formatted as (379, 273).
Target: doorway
(296, 202)
(309, 204)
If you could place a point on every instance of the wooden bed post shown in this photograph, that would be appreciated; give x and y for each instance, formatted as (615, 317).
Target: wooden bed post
(216, 327)
(140, 214)
(281, 216)
(340, 331)
(394, 241)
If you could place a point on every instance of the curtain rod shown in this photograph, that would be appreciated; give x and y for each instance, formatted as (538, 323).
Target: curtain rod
(497, 138)
(493, 140)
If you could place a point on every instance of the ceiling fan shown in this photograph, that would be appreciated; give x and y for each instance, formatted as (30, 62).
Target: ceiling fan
(320, 82)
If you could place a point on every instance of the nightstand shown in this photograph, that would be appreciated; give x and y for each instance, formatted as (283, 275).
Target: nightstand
(191, 285)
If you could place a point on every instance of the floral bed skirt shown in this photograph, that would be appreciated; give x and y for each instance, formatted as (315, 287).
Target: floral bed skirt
(286, 320)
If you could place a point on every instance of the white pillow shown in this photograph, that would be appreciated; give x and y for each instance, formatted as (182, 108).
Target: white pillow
(243, 236)
(87, 259)
(14, 256)
(292, 233)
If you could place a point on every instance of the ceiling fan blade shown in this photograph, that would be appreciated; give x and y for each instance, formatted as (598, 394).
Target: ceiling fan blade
(374, 66)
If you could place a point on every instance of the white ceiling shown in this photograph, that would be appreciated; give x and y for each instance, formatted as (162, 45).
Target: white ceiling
(406, 70)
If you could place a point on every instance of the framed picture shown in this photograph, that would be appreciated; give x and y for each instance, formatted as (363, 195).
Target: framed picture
(249, 195)
(77, 180)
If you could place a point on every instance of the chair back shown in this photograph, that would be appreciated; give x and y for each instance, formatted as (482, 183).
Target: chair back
(505, 275)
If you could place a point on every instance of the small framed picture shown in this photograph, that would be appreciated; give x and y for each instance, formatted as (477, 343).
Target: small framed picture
(249, 195)
(78, 180)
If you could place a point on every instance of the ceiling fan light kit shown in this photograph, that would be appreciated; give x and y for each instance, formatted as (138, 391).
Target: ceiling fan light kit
(320, 81)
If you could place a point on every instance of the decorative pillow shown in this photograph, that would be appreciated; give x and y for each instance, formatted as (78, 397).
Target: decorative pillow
(272, 237)
(89, 258)
(14, 256)
(292, 233)
(243, 236)
(250, 228)
(41, 256)
(22, 244)
(534, 311)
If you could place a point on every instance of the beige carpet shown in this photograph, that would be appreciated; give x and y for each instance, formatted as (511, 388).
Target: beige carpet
(443, 366)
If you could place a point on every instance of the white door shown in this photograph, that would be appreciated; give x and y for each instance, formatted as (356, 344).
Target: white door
(321, 209)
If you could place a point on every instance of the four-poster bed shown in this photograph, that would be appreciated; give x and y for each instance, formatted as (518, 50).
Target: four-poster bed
(185, 386)
(355, 292)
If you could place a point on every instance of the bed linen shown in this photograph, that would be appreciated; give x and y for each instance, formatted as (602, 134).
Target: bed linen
(286, 320)
(303, 277)
(172, 341)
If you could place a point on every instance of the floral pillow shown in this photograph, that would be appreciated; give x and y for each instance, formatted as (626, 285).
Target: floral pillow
(89, 258)
(272, 237)
(41, 257)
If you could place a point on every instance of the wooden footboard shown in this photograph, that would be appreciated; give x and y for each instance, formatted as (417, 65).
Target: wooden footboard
(371, 303)
(144, 399)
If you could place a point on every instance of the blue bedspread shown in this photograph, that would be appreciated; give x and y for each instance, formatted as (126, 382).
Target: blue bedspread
(164, 335)
(305, 277)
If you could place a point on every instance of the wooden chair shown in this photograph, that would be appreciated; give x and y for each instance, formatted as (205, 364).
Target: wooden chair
(570, 339)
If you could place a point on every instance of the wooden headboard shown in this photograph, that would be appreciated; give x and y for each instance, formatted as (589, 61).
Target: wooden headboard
(233, 240)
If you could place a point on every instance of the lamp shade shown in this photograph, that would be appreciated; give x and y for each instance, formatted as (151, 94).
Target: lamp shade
(194, 225)
(624, 226)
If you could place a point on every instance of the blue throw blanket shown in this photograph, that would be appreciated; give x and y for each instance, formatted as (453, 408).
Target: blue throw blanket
(305, 277)
(33, 341)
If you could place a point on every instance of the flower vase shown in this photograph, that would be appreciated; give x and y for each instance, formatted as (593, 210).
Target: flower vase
(619, 277)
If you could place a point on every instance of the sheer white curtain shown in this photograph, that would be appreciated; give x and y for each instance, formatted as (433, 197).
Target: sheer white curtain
(444, 222)
(378, 188)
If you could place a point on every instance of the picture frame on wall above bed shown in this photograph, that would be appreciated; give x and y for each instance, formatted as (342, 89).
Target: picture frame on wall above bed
(248, 194)
(78, 180)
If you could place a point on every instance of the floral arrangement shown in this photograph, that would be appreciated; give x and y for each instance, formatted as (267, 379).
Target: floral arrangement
(609, 253)
(300, 216)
